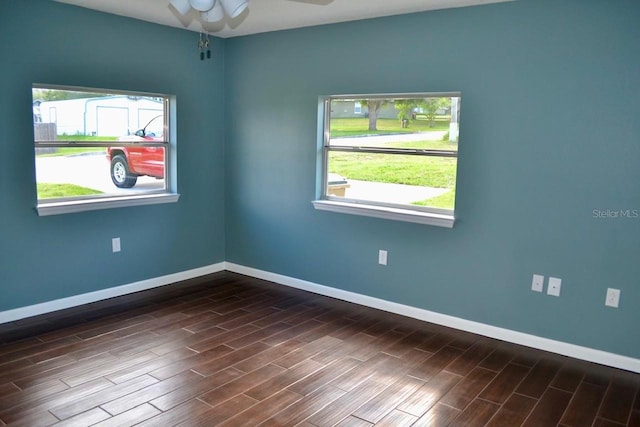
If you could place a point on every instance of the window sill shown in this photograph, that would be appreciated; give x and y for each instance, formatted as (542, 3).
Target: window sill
(58, 208)
(396, 214)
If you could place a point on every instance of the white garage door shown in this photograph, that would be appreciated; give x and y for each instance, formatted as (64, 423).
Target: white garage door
(113, 121)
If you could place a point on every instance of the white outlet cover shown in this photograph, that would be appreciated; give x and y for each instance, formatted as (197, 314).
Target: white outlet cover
(613, 298)
(554, 286)
(537, 284)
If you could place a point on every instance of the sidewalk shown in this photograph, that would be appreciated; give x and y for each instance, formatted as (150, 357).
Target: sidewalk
(91, 171)
(391, 193)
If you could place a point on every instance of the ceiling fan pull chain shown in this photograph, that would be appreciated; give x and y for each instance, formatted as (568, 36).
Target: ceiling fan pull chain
(200, 47)
(207, 45)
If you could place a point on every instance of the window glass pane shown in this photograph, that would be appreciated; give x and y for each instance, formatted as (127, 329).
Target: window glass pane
(97, 144)
(73, 115)
(393, 178)
(68, 172)
(417, 123)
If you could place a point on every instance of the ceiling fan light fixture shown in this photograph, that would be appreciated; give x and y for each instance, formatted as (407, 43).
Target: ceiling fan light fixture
(214, 15)
(182, 6)
(202, 5)
(233, 8)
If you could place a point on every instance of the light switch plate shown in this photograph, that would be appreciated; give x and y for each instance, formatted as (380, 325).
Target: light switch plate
(115, 244)
(382, 257)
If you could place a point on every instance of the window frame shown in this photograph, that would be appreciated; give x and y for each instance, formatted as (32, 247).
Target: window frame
(386, 210)
(168, 194)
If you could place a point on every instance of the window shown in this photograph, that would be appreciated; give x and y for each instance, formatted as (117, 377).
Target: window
(97, 149)
(399, 161)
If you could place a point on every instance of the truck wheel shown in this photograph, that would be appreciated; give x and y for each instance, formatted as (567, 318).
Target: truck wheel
(120, 174)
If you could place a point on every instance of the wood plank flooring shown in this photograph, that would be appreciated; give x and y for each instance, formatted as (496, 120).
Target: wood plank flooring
(230, 350)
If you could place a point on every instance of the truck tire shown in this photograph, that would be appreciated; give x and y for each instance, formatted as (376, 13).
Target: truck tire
(120, 174)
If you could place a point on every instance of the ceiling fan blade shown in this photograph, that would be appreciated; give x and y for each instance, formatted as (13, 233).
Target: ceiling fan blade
(315, 2)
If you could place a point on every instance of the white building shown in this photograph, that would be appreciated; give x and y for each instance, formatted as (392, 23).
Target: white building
(117, 115)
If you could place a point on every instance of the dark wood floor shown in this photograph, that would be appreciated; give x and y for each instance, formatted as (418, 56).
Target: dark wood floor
(237, 351)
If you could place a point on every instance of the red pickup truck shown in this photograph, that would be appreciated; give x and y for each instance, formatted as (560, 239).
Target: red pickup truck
(131, 161)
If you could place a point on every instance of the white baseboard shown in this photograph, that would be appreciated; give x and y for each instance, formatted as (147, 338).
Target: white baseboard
(559, 347)
(74, 301)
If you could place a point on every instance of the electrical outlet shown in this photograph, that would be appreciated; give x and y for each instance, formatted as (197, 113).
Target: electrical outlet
(115, 244)
(554, 286)
(382, 257)
(613, 298)
(537, 284)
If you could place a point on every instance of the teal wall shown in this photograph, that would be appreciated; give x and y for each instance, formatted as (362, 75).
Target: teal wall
(550, 131)
(46, 258)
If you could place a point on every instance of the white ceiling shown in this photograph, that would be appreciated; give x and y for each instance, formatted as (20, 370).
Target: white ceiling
(272, 15)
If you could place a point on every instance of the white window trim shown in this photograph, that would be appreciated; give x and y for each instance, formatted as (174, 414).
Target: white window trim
(384, 212)
(324, 203)
(67, 206)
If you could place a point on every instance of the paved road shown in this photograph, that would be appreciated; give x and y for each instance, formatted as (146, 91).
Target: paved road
(382, 139)
(88, 170)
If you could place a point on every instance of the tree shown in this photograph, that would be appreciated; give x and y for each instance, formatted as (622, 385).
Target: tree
(404, 107)
(374, 106)
(432, 105)
(61, 95)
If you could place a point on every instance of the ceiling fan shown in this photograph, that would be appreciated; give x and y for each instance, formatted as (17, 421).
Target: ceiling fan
(211, 11)
(214, 11)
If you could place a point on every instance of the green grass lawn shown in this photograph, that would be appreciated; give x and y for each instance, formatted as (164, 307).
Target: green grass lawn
(85, 138)
(360, 126)
(395, 169)
(54, 191)
(423, 145)
(437, 172)
(444, 201)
